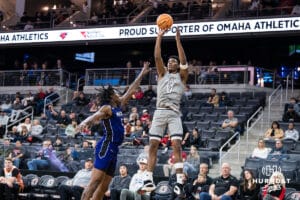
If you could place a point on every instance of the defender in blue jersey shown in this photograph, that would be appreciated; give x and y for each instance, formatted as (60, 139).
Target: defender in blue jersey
(107, 148)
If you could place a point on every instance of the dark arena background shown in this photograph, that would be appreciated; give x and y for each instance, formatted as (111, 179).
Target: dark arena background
(55, 55)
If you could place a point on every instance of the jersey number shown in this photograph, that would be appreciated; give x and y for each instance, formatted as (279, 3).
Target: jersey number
(170, 85)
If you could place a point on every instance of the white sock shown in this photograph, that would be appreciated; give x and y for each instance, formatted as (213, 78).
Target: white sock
(149, 175)
(179, 178)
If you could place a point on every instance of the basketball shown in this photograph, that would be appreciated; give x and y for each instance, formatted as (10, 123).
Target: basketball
(164, 21)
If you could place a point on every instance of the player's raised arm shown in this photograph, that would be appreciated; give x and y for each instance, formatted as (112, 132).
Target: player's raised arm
(103, 113)
(159, 63)
(135, 84)
(182, 58)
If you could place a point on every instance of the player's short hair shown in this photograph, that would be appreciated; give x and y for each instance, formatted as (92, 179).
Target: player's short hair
(175, 57)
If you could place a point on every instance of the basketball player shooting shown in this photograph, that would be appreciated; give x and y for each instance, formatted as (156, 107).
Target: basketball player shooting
(107, 147)
(170, 88)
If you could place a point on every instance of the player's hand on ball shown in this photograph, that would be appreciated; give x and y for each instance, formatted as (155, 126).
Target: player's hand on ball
(161, 32)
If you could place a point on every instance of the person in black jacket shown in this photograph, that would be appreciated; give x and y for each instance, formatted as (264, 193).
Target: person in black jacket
(248, 189)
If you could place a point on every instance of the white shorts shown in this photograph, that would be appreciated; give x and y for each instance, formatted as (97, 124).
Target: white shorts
(162, 119)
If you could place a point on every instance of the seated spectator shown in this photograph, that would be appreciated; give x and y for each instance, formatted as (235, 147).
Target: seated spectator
(81, 100)
(213, 99)
(231, 123)
(293, 103)
(17, 108)
(127, 127)
(53, 96)
(17, 154)
(291, 132)
(42, 158)
(248, 189)
(26, 123)
(13, 133)
(165, 142)
(190, 166)
(3, 122)
(139, 94)
(6, 148)
(278, 152)
(290, 115)
(79, 182)
(275, 189)
(134, 115)
(36, 130)
(186, 188)
(145, 115)
(71, 129)
(195, 138)
(136, 183)
(118, 183)
(10, 180)
(224, 100)
(149, 94)
(275, 132)
(202, 78)
(23, 135)
(261, 151)
(187, 92)
(58, 145)
(223, 187)
(63, 119)
(137, 130)
(6, 106)
(202, 182)
(28, 26)
(70, 158)
(50, 112)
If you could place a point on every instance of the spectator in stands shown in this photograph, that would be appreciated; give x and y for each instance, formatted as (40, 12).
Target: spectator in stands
(28, 100)
(278, 152)
(212, 72)
(10, 180)
(202, 182)
(292, 102)
(63, 119)
(70, 158)
(28, 26)
(195, 138)
(136, 183)
(118, 183)
(291, 132)
(71, 129)
(248, 189)
(143, 154)
(190, 166)
(149, 94)
(24, 17)
(52, 96)
(17, 108)
(58, 145)
(39, 99)
(6, 149)
(6, 106)
(231, 123)
(43, 77)
(81, 100)
(186, 187)
(13, 133)
(50, 112)
(42, 159)
(79, 182)
(202, 77)
(275, 132)
(145, 116)
(26, 123)
(17, 154)
(139, 94)
(213, 99)
(223, 187)
(137, 130)
(3, 122)
(290, 115)
(169, 167)
(224, 100)
(127, 127)
(23, 135)
(36, 129)
(187, 92)
(275, 189)
(128, 76)
(261, 151)
(94, 19)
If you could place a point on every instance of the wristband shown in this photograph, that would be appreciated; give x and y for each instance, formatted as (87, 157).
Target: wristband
(183, 66)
